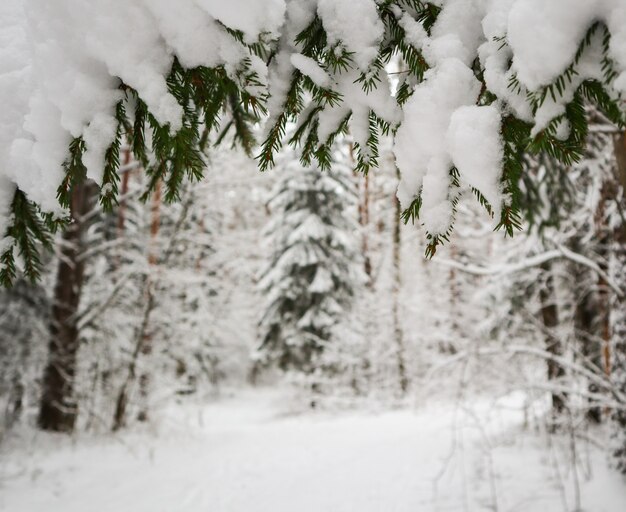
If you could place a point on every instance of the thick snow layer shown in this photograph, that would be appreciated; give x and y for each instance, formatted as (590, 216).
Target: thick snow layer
(541, 38)
(545, 35)
(456, 34)
(478, 127)
(415, 32)
(252, 18)
(421, 148)
(246, 455)
(61, 62)
(14, 84)
(78, 52)
(298, 15)
(356, 24)
(311, 68)
(535, 25)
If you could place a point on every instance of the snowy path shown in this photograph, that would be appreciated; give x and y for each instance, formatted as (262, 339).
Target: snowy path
(246, 458)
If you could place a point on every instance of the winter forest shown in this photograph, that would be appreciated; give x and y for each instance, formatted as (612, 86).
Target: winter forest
(312, 255)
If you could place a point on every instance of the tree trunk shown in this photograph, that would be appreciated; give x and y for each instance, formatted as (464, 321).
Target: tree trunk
(448, 346)
(143, 345)
(618, 306)
(146, 342)
(619, 146)
(121, 211)
(603, 236)
(58, 408)
(364, 217)
(586, 317)
(365, 220)
(550, 319)
(397, 327)
(121, 404)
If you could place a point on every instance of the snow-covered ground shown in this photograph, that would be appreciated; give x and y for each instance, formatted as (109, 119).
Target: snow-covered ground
(246, 454)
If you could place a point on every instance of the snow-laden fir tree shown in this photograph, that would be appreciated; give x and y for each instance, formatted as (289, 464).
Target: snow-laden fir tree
(24, 319)
(315, 268)
(505, 77)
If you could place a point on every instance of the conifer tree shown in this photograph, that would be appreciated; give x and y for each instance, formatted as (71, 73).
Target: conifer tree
(314, 270)
(312, 64)
(24, 320)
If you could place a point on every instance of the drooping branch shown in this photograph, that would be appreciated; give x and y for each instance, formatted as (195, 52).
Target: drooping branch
(532, 262)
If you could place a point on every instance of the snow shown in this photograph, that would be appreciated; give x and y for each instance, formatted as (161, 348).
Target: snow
(421, 149)
(62, 61)
(456, 33)
(176, 21)
(437, 214)
(474, 127)
(310, 67)
(311, 229)
(298, 15)
(97, 136)
(415, 33)
(247, 453)
(494, 57)
(432, 136)
(541, 38)
(378, 100)
(535, 25)
(252, 18)
(356, 25)
(76, 66)
(14, 79)
(323, 281)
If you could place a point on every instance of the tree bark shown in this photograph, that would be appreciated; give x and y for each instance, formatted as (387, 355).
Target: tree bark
(448, 346)
(121, 211)
(586, 315)
(143, 345)
(58, 409)
(397, 327)
(364, 218)
(550, 319)
(603, 236)
(146, 334)
(618, 306)
(619, 147)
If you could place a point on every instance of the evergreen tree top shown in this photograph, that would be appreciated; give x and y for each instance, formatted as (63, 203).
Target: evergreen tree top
(314, 269)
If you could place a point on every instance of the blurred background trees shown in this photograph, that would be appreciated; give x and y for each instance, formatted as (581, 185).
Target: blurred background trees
(309, 276)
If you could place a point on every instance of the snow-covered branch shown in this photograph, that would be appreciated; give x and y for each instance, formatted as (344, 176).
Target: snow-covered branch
(533, 261)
